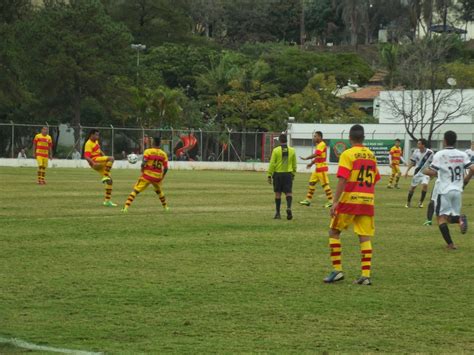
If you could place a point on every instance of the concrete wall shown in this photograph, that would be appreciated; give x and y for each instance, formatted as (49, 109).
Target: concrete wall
(178, 165)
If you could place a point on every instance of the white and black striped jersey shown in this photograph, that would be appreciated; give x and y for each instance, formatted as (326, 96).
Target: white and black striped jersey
(450, 164)
(470, 154)
(421, 160)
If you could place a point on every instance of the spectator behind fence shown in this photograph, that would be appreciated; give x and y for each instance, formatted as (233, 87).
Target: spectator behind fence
(22, 158)
(76, 155)
(22, 154)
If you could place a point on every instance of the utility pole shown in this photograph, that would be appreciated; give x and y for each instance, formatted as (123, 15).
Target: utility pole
(302, 25)
(138, 47)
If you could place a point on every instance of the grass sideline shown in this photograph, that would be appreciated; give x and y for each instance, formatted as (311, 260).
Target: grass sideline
(218, 274)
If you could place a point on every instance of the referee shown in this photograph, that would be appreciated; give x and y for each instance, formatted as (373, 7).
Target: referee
(282, 170)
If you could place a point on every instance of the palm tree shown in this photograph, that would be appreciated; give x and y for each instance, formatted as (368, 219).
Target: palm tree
(353, 15)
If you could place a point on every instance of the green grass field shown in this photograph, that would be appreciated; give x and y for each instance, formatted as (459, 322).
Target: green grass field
(218, 274)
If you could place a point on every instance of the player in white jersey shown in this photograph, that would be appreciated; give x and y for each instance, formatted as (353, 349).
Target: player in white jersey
(420, 159)
(470, 152)
(449, 164)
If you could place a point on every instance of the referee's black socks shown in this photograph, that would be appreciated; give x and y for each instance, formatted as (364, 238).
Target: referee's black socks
(277, 204)
(289, 200)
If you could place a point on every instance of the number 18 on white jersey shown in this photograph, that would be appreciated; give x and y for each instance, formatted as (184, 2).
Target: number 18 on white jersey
(450, 164)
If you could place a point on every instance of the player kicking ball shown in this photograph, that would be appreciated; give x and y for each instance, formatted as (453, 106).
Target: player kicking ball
(154, 169)
(354, 204)
(100, 163)
(421, 159)
(448, 165)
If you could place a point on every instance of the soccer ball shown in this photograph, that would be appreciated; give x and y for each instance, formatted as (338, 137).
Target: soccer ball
(132, 158)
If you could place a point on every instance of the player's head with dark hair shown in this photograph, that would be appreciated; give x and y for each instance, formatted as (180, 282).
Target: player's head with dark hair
(397, 142)
(422, 143)
(93, 134)
(317, 137)
(450, 138)
(156, 141)
(356, 133)
(283, 138)
(44, 130)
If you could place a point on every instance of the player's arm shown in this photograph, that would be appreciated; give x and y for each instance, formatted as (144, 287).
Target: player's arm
(293, 165)
(430, 171)
(312, 156)
(50, 149)
(271, 167)
(165, 166)
(341, 184)
(411, 164)
(35, 141)
(88, 156)
(433, 168)
(344, 172)
(144, 161)
(470, 173)
(90, 161)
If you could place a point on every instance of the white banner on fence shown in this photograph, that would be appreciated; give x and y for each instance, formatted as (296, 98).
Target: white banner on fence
(175, 165)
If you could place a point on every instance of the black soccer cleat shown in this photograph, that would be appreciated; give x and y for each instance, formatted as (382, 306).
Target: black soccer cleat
(334, 276)
(277, 216)
(289, 214)
(363, 281)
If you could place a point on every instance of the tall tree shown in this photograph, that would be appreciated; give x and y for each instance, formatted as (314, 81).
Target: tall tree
(465, 11)
(153, 22)
(72, 51)
(206, 16)
(354, 13)
(12, 92)
(426, 101)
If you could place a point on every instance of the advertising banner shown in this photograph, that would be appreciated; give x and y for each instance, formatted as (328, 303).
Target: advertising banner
(380, 147)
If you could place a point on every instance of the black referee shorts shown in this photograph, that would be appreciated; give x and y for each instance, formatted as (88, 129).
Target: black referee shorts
(283, 182)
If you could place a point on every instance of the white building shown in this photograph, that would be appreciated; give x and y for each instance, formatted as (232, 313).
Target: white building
(380, 136)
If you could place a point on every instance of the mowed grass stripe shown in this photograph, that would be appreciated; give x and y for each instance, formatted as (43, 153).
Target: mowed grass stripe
(218, 274)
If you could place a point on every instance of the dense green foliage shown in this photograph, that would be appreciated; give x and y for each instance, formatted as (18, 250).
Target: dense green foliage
(218, 274)
(207, 63)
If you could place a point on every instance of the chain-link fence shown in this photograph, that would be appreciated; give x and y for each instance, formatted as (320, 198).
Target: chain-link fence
(197, 145)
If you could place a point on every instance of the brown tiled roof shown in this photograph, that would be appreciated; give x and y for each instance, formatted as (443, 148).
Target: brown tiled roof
(365, 94)
(379, 76)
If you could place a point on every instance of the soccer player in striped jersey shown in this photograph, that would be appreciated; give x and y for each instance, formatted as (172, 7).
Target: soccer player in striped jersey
(100, 163)
(354, 204)
(420, 159)
(449, 165)
(321, 172)
(43, 147)
(395, 156)
(154, 169)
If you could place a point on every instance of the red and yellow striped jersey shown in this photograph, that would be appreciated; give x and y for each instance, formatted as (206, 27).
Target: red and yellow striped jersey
(43, 145)
(358, 166)
(396, 153)
(320, 159)
(92, 150)
(154, 162)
